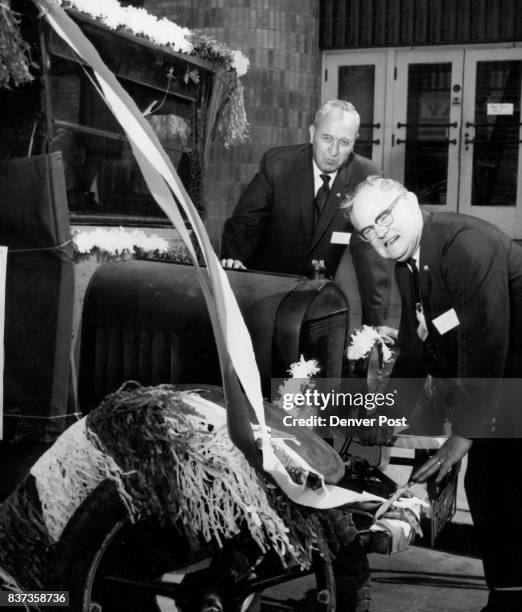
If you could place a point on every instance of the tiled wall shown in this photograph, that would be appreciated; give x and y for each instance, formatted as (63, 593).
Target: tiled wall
(282, 87)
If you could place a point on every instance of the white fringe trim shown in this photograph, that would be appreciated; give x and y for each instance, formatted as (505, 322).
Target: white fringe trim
(214, 507)
(67, 473)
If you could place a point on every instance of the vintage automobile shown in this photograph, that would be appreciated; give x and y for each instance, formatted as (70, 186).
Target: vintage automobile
(147, 321)
(105, 512)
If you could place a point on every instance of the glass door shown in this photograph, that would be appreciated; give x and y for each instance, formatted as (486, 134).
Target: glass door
(444, 121)
(426, 124)
(490, 155)
(360, 78)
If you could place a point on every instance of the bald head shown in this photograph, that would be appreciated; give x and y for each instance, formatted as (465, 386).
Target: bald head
(388, 216)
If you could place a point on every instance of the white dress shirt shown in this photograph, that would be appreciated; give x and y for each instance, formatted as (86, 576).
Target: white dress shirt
(318, 181)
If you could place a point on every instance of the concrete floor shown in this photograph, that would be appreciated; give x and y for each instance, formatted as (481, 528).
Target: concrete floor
(427, 580)
(419, 579)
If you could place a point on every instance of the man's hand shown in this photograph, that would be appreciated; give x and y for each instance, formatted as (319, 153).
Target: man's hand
(232, 264)
(389, 334)
(450, 453)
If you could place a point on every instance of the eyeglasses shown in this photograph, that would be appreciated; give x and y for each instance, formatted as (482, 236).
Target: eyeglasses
(384, 219)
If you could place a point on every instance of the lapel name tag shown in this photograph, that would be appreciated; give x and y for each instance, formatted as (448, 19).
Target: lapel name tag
(340, 238)
(446, 321)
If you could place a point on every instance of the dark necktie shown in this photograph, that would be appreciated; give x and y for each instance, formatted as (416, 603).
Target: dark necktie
(422, 330)
(414, 272)
(321, 196)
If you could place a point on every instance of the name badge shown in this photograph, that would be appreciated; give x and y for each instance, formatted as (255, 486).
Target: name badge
(446, 321)
(340, 238)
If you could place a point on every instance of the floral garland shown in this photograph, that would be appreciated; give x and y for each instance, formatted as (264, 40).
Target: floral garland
(160, 31)
(137, 20)
(232, 123)
(14, 51)
(210, 49)
(118, 244)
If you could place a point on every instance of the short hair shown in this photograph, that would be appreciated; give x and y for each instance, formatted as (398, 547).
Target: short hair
(340, 105)
(372, 181)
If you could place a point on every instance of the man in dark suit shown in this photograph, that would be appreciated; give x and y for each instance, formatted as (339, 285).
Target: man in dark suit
(289, 214)
(460, 281)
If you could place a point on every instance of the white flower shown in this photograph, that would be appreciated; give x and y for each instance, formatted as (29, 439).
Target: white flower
(363, 340)
(301, 372)
(169, 33)
(240, 62)
(304, 368)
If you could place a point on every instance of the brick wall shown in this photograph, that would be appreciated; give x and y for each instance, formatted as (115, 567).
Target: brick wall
(282, 87)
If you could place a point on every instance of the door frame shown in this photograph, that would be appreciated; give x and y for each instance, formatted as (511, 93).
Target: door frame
(403, 59)
(331, 63)
(508, 218)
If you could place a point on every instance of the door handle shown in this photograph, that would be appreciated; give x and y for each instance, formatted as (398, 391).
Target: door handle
(441, 125)
(453, 141)
(513, 126)
(500, 143)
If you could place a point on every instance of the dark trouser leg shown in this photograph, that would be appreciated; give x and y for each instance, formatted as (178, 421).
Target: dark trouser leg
(493, 485)
(352, 578)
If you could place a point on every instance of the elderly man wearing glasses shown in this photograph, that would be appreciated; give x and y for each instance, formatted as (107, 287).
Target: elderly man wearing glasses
(460, 281)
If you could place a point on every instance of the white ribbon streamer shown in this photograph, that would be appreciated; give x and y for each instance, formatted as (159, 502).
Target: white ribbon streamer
(232, 336)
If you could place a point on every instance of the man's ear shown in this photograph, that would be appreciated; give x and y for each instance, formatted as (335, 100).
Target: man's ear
(311, 129)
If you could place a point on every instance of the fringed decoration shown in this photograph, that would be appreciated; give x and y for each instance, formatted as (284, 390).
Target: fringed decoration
(68, 472)
(24, 538)
(306, 528)
(176, 465)
(169, 461)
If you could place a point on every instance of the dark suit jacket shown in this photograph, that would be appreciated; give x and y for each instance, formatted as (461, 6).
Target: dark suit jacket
(272, 227)
(474, 268)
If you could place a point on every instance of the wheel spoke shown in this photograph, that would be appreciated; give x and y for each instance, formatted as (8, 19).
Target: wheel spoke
(167, 589)
(276, 605)
(258, 584)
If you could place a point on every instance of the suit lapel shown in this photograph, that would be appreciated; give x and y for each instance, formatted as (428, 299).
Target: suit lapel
(301, 188)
